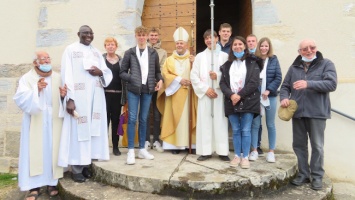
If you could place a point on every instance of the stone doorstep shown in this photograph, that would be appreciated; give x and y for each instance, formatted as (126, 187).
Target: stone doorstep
(169, 174)
(91, 190)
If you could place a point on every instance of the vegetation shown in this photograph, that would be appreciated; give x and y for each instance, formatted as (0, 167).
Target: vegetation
(7, 180)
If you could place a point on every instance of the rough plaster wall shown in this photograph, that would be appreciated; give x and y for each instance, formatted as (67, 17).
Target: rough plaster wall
(51, 25)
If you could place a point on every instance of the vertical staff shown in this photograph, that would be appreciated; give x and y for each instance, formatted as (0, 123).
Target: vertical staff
(212, 49)
(190, 88)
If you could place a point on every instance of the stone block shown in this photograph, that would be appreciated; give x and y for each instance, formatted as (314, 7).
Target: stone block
(3, 103)
(14, 71)
(6, 86)
(265, 13)
(129, 20)
(43, 17)
(12, 143)
(51, 37)
(4, 165)
(14, 165)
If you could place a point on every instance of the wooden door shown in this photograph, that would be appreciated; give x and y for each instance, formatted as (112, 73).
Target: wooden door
(168, 15)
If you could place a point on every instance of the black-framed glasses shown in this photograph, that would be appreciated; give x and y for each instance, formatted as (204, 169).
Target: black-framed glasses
(312, 48)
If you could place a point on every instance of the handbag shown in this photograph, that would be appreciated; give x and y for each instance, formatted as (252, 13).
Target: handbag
(122, 127)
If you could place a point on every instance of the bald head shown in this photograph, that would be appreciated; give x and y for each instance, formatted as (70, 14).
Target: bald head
(306, 42)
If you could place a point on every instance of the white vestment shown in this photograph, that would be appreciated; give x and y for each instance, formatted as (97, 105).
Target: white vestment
(32, 104)
(86, 137)
(211, 133)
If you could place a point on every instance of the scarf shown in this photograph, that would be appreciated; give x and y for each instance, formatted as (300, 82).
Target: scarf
(143, 62)
(237, 74)
(263, 102)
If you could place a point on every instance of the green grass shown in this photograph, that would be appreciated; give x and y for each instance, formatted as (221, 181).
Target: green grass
(7, 180)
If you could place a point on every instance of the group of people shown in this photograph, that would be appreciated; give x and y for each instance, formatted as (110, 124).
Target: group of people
(193, 98)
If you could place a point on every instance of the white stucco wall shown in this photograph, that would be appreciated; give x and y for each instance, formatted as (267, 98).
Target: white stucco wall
(331, 24)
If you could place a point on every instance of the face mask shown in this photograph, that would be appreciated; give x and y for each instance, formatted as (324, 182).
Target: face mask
(238, 54)
(307, 59)
(45, 68)
(252, 50)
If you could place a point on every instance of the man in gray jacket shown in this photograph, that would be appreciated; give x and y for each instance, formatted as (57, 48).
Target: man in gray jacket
(309, 81)
(140, 69)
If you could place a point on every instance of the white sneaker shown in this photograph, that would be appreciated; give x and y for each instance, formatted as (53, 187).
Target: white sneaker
(143, 153)
(147, 145)
(157, 147)
(131, 157)
(270, 157)
(253, 156)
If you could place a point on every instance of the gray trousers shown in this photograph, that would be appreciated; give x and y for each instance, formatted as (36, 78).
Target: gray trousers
(314, 129)
(77, 169)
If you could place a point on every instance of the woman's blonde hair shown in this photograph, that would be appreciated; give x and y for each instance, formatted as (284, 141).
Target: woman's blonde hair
(270, 53)
(110, 39)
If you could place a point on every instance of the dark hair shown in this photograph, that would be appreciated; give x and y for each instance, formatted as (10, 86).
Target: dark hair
(231, 56)
(208, 33)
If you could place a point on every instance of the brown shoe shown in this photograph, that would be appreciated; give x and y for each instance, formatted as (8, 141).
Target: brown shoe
(235, 162)
(245, 164)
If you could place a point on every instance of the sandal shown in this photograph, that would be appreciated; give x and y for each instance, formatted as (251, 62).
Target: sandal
(51, 190)
(35, 195)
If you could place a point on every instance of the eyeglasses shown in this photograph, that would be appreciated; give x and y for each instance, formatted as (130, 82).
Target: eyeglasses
(45, 58)
(87, 33)
(312, 48)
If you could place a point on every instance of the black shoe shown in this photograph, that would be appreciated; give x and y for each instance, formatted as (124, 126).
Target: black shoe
(317, 184)
(224, 158)
(86, 172)
(116, 152)
(78, 178)
(299, 180)
(260, 151)
(175, 152)
(203, 158)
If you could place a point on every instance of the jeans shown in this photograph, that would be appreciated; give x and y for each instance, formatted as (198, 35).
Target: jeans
(156, 118)
(133, 101)
(241, 126)
(270, 113)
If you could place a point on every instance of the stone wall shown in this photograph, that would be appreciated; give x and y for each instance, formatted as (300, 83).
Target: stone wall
(10, 116)
(51, 26)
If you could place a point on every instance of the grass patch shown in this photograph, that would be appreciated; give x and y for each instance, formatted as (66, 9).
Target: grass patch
(7, 180)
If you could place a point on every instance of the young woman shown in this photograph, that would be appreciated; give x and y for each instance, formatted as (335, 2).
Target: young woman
(240, 86)
(270, 77)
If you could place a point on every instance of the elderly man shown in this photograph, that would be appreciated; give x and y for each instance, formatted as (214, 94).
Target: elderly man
(309, 81)
(141, 70)
(174, 102)
(155, 43)
(38, 97)
(225, 32)
(211, 131)
(84, 134)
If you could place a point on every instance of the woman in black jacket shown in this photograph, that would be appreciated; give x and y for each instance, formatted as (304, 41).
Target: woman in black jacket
(240, 86)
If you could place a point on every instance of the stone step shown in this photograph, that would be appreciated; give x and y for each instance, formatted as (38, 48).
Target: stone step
(91, 190)
(182, 174)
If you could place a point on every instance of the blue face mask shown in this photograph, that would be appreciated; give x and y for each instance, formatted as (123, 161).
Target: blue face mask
(252, 50)
(307, 59)
(238, 54)
(45, 68)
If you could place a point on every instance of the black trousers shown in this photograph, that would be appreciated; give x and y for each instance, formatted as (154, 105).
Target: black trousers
(113, 109)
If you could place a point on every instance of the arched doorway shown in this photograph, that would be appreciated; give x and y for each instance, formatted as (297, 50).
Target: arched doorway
(170, 14)
(237, 13)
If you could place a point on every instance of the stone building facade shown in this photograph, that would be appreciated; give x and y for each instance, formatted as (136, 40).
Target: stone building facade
(51, 25)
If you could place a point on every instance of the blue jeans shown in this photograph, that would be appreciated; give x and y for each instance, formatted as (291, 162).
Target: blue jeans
(241, 126)
(133, 101)
(270, 113)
